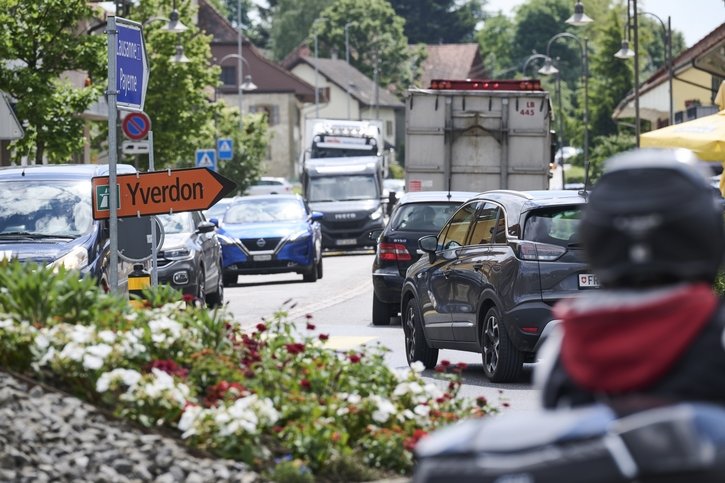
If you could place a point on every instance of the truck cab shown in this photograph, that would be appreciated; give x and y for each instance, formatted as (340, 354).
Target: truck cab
(342, 176)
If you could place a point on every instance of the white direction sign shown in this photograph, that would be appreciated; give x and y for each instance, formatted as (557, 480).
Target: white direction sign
(10, 128)
(224, 149)
(132, 70)
(206, 158)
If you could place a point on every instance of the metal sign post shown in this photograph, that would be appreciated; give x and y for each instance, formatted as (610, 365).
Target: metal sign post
(154, 250)
(127, 81)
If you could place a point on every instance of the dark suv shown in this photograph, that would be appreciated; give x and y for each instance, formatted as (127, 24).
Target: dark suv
(491, 276)
(416, 214)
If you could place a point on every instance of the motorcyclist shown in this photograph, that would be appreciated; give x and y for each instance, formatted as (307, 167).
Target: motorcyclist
(653, 233)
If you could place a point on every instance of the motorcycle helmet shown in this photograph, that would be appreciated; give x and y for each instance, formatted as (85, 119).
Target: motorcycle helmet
(653, 219)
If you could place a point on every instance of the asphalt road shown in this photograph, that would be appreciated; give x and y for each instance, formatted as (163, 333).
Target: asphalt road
(340, 304)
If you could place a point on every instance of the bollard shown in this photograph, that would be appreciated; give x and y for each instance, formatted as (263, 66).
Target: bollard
(138, 280)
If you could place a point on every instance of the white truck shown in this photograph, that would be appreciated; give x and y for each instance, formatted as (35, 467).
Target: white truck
(478, 135)
(342, 170)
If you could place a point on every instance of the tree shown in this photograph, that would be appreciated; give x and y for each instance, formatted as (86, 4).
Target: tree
(291, 23)
(245, 167)
(376, 40)
(496, 40)
(439, 21)
(611, 78)
(38, 42)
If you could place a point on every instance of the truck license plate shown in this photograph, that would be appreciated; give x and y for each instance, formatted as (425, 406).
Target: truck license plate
(346, 241)
(262, 258)
(588, 280)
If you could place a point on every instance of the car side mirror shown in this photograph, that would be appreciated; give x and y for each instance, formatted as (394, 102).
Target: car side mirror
(429, 244)
(214, 221)
(316, 216)
(205, 227)
(374, 234)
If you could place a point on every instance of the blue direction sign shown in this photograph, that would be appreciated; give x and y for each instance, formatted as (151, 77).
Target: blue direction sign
(206, 158)
(132, 70)
(224, 149)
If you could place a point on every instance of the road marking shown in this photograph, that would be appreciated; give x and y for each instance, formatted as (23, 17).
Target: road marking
(345, 342)
(298, 311)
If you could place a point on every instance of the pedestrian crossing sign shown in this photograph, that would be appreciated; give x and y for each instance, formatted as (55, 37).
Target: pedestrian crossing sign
(224, 149)
(206, 158)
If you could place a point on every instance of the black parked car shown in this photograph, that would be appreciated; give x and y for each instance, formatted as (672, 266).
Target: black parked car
(190, 259)
(491, 276)
(415, 215)
(46, 217)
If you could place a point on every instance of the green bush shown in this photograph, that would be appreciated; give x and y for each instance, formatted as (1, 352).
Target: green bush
(272, 395)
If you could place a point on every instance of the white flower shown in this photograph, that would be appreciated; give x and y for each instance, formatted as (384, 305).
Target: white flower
(81, 334)
(433, 390)
(107, 336)
(384, 409)
(47, 357)
(99, 350)
(409, 414)
(73, 352)
(354, 398)
(128, 377)
(92, 362)
(417, 366)
(7, 324)
(187, 420)
(41, 341)
(421, 410)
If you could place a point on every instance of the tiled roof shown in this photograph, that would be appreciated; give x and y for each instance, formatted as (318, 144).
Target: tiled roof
(343, 74)
(452, 61)
(269, 76)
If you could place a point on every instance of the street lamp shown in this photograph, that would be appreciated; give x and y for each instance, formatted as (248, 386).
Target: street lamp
(549, 69)
(626, 53)
(246, 85)
(347, 42)
(579, 18)
(526, 63)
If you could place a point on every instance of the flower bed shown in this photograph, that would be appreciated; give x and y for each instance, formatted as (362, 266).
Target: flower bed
(273, 396)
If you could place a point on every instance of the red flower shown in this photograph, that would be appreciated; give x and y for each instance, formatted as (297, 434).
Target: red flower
(445, 363)
(323, 337)
(169, 367)
(335, 437)
(305, 384)
(308, 316)
(409, 443)
(310, 326)
(224, 390)
(261, 327)
(295, 348)
(249, 374)
(354, 358)
(481, 401)
(440, 368)
(188, 298)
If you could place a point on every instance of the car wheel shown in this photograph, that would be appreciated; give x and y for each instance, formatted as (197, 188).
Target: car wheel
(310, 274)
(319, 268)
(216, 298)
(229, 279)
(502, 362)
(200, 291)
(382, 311)
(416, 347)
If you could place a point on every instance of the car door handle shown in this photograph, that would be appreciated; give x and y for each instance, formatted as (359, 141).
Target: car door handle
(478, 266)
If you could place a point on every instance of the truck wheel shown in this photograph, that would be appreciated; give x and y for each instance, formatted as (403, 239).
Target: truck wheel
(502, 362)
(382, 311)
(416, 347)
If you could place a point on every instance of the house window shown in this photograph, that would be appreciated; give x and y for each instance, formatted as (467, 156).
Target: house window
(388, 128)
(229, 75)
(323, 94)
(272, 112)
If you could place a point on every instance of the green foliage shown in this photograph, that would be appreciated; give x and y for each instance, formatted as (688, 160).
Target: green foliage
(245, 166)
(439, 21)
(604, 148)
(42, 40)
(272, 395)
(376, 39)
(720, 284)
(496, 40)
(291, 23)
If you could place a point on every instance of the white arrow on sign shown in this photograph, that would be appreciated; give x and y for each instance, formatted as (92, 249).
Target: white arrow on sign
(9, 126)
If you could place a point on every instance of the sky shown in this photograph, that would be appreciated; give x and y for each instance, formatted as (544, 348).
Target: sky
(694, 18)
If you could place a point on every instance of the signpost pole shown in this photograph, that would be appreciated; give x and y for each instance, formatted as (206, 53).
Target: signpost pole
(154, 254)
(112, 153)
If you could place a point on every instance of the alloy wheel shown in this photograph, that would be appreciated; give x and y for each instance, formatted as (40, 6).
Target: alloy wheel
(491, 343)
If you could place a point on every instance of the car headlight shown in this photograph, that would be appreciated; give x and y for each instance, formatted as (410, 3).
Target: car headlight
(225, 240)
(177, 253)
(75, 259)
(375, 215)
(299, 234)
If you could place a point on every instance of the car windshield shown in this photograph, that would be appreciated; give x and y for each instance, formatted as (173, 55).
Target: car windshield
(265, 211)
(217, 210)
(177, 223)
(556, 226)
(45, 208)
(422, 216)
(340, 188)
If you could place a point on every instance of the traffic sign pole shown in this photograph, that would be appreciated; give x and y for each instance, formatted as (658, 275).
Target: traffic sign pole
(154, 250)
(112, 141)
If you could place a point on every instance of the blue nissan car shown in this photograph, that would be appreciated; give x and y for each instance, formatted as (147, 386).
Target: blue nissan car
(270, 234)
(46, 217)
